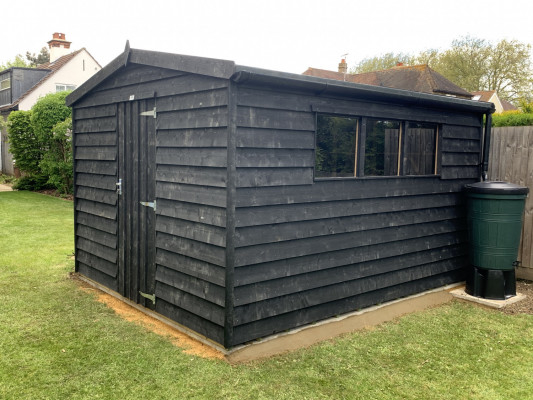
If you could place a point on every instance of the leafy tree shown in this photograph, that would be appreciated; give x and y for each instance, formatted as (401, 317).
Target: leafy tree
(47, 112)
(17, 62)
(385, 61)
(41, 58)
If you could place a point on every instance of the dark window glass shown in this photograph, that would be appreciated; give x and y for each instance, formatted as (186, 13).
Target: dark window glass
(420, 145)
(381, 147)
(335, 146)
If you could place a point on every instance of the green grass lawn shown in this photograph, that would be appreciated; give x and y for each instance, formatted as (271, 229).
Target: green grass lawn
(58, 342)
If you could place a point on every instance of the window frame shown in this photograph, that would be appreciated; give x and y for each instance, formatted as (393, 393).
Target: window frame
(8, 80)
(360, 146)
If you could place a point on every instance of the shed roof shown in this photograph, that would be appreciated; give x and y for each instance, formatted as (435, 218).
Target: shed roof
(283, 80)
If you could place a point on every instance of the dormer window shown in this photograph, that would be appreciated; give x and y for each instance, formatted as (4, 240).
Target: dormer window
(5, 84)
(64, 87)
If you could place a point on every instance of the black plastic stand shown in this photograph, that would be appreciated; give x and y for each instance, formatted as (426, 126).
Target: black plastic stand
(493, 284)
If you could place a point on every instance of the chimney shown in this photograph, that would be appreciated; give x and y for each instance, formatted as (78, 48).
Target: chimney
(58, 46)
(399, 64)
(343, 66)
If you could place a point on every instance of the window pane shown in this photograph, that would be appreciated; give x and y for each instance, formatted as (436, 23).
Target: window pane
(335, 146)
(420, 146)
(381, 147)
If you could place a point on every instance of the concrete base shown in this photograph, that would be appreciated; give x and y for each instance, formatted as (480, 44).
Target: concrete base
(461, 294)
(330, 328)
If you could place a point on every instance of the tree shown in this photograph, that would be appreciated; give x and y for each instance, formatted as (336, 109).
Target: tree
(57, 161)
(17, 62)
(41, 58)
(385, 61)
(23, 143)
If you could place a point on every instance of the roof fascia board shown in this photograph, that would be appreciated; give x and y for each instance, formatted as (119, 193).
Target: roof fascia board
(259, 76)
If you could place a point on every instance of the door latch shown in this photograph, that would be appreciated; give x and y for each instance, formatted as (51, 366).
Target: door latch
(119, 186)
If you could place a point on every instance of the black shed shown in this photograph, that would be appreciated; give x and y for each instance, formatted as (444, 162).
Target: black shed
(241, 202)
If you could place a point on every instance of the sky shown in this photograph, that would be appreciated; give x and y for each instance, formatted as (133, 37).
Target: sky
(282, 35)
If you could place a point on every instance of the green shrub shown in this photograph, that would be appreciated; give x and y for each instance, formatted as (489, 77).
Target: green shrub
(23, 143)
(57, 161)
(47, 112)
(32, 182)
(512, 118)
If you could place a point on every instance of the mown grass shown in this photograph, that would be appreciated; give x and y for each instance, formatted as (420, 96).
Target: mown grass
(57, 342)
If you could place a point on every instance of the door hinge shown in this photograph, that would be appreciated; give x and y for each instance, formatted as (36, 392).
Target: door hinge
(119, 187)
(151, 113)
(149, 204)
(148, 296)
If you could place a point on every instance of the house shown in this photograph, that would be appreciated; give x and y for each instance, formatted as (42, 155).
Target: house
(20, 88)
(241, 202)
(416, 78)
(490, 96)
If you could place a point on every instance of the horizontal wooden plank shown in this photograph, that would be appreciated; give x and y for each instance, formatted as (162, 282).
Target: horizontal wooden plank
(97, 236)
(102, 224)
(461, 146)
(191, 248)
(347, 189)
(316, 262)
(98, 209)
(250, 117)
(195, 100)
(105, 153)
(213, 117)
(95, 139)
(203, 157)
(96, 167)
(110, 269)
(190, 303)
(274, 139)
(274, 158)
(189, 284)
(301, 300)
(98, 195)
(97, 276)
(190, 266)
(145, 90)
(96, 125)
(204, 327)
(210, 137)
(322, 244)
(262, 177)
(97, 249)
(191, 230)
(356, 107)
(297, 283)
(107, 182)
(247, 332)
(95, 112)
(192, 212)
(264, 215)
(134, 74)
(255, 235)
(467, 172)
(192, 175)
(460, 159)
(210, 196)
(461, 132)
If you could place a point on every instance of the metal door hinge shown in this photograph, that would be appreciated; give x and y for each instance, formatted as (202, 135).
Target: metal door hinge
(151, 113)
(149, 204)
(119, 186)
(148, 296)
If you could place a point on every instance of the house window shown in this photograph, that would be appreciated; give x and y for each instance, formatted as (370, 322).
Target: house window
(62, 88)
(335, 146)
(349, 146)
(5, 84)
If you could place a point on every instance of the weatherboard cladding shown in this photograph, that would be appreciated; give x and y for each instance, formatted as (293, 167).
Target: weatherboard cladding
(246, 243)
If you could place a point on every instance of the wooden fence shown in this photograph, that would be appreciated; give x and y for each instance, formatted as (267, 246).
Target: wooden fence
(511, 160)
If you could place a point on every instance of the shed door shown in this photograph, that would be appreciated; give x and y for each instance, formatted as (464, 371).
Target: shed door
(136, 210)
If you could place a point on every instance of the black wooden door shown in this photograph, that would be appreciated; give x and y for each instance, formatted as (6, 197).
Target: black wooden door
(137, 201)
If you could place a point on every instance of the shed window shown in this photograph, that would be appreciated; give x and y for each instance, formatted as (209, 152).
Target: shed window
(358, 146)
(5, 84)
(335, 146)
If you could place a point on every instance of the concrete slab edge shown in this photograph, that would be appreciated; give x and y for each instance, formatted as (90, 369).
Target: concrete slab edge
(461, 294)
